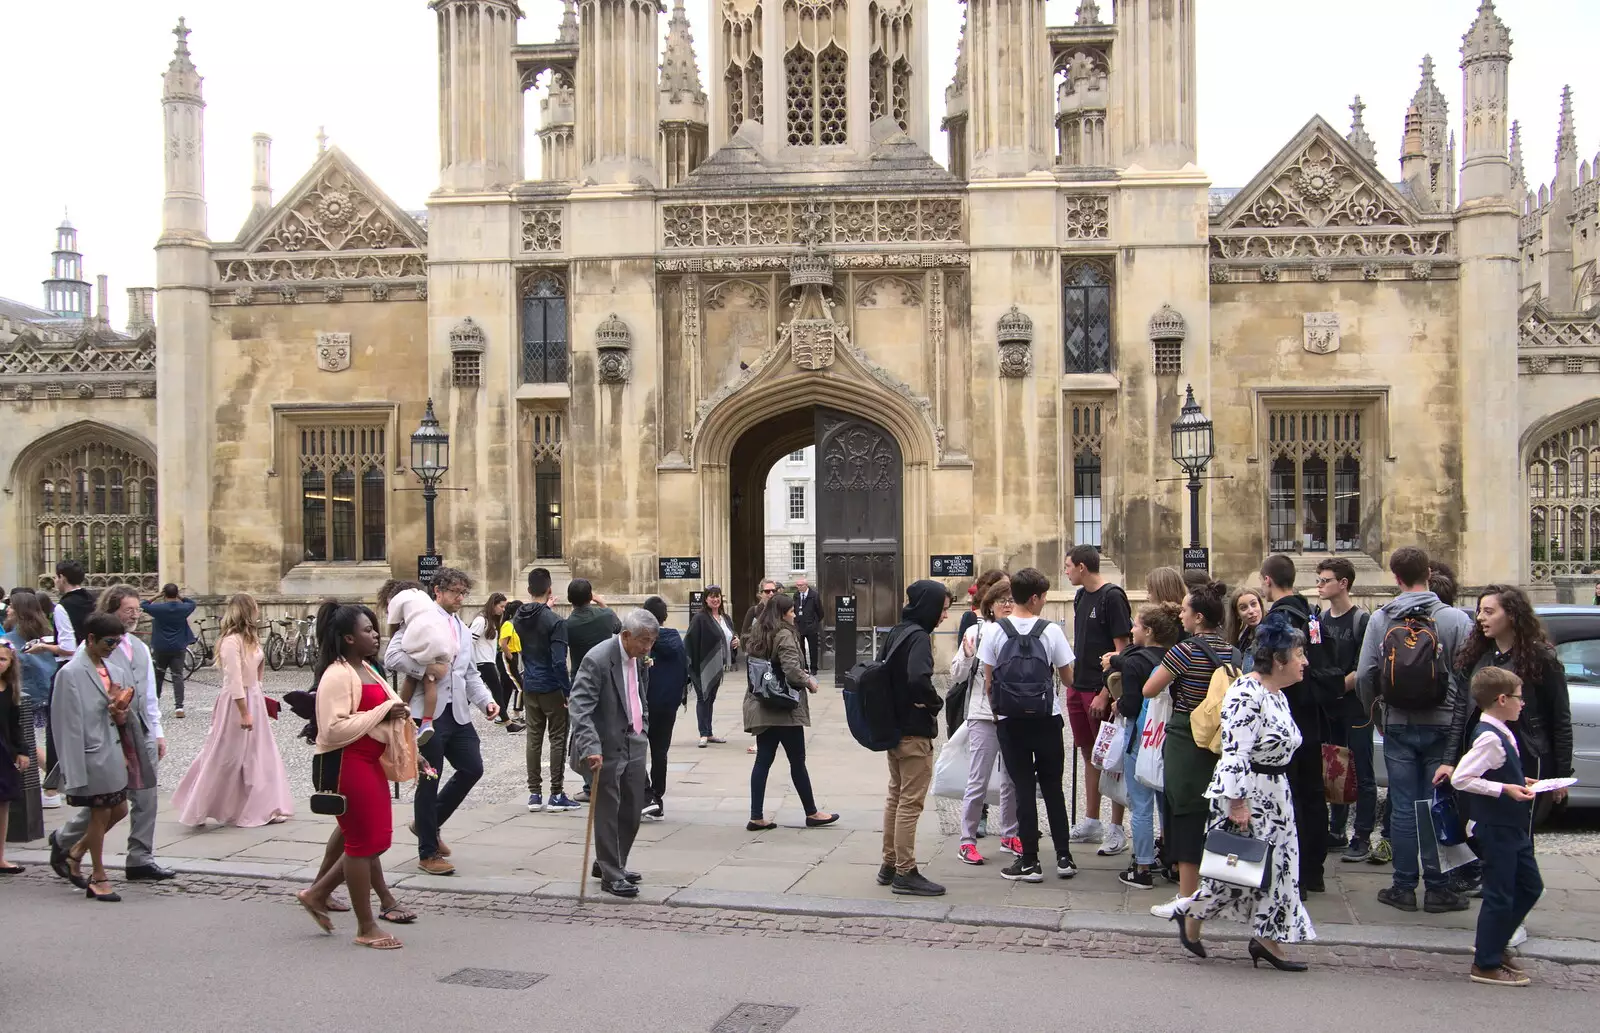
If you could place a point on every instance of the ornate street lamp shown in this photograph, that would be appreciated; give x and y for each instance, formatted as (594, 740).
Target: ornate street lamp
(1193, 448)
(430, 458)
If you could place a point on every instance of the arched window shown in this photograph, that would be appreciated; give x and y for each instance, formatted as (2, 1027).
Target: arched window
(80, 490)
(1575, 541)
(1558, 534)
(343, 492)
(1558, 479)
(1538, 480)
(1580, 473)
(544, 329)
(1564, 539)
(1086, 317)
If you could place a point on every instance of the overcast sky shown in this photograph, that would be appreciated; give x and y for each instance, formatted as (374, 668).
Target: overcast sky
(82, 87)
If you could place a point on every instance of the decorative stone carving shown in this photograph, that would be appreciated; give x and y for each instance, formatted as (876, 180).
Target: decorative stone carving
(333, 294)
(1421, 270)
(85, 391)
(1014, 332)
(1317, 188)
(812, 342)
(468, 336)
(613, 340)
(289, 294)
(541, 230)
(776, 223)
(1539, 330)
(338, 211)
(910, 295)
(333, 352)
(244, 295)
(742, 292)
(1219, 274)
(1088, 216)
(1321, 332)
(1538, 363)
(380, 291)
(1380, 244)
(1321, 272)
(1371, 270)
(52, 392)
(24, 392)
(1269, 273)
(1574, 364)
(1168, 331)
(422, 291)
(771, 263)
(147, 389)
(89, 362)
(269, 271)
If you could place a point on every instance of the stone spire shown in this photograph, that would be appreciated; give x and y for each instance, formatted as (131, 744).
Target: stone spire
(1519, 178)
(1427, 157)
(1011, 124)
(617, 103)
(1488, 38)
(569, 23)
(955, 107)
(1358, 133)
(1089, 13)
(1153, 93)
(680, 73)
(322, 139)
(182, 80)
(1485, 108)
(1566, 134)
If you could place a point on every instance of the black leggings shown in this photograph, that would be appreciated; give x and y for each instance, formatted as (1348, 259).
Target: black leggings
(793, 740)
(1035, 757)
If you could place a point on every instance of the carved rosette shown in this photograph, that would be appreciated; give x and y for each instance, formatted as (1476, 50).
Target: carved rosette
(614, 341)
(1014, 331)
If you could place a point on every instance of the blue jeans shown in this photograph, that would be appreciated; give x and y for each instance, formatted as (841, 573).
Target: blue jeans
(1361, 757)
(433, 805)
(1141, 799)
(1412, 754)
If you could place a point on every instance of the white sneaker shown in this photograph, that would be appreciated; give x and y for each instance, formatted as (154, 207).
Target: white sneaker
(50, 801)
(1518, 937)
(1116, 842)
(1168, 909)
(1089, 830)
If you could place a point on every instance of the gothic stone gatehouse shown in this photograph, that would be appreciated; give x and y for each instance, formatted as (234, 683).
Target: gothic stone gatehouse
(987, 354)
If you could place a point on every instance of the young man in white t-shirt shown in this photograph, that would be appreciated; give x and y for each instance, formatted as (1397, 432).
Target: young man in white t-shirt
(1032, 746)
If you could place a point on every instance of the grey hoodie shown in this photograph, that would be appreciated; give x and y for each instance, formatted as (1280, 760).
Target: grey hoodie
(1454, 628)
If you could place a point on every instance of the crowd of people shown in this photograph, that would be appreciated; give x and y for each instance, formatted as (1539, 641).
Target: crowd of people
(1201, 716)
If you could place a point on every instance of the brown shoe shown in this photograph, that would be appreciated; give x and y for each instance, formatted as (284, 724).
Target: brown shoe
(1510, 960)
(444, 851)
(439, 866)
(1501, 976)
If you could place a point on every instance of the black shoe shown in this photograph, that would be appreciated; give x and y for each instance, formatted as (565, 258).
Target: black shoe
(1437, 902)
(58, 862)
(1023, 870)
(817, 823)
(1469, 884)
(1313, 884)
(1259, 953)
(620, 888)
(1065, 869)
(633, 877)
(915, 884)
(1195, 947)
(1394, 896)
(151, 872)
(885, 874)
(1359, 850)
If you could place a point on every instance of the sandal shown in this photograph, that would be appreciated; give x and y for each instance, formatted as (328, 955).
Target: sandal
(382, 943)
(398, 915)
(317, 915)
(336, 905)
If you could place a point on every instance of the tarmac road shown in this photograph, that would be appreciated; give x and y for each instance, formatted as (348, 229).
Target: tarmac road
(173, 963)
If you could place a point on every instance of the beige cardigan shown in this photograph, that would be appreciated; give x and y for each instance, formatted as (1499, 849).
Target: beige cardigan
(340, 721)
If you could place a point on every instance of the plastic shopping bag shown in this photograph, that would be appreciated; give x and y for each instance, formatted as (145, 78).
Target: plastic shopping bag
(950, 770)
(1111, 745)
(1151, 770)
(1114, 785)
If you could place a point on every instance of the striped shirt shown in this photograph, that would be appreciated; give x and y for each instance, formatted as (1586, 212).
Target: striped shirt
(1191, 670)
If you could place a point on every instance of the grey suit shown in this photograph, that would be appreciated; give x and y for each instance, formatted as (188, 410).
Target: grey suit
(136, 670)
(598, 711)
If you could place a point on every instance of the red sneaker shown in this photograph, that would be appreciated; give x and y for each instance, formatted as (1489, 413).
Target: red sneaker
(969, 854)
(1011, 845)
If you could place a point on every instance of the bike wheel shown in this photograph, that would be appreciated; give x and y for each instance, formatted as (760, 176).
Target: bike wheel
(302, 652)
(193, 657)
(274, 651)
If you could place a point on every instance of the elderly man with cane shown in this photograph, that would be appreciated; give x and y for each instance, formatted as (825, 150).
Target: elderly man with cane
(609, 719)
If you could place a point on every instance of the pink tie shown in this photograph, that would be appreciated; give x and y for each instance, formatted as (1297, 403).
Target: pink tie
(630, 669)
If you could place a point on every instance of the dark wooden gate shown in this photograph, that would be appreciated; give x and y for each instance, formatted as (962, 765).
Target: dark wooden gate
(859, 475)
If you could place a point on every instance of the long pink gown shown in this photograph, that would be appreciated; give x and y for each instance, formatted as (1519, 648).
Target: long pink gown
(238, 779)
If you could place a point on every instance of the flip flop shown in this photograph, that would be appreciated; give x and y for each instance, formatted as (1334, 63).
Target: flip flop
(336, 905)
(12, 869)
(398, 915)
(320, 917)
(382, 943)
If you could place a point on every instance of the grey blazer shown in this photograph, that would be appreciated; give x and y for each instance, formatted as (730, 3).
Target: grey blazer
(598, 707)
(88, 749)
(135, 671)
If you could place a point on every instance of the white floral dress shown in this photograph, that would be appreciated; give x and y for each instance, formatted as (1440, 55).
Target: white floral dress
(1257, 729)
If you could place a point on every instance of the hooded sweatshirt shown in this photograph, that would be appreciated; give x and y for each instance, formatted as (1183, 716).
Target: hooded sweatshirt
(1454, 626)
(916, 702)
(1306, 698)
(543, 635)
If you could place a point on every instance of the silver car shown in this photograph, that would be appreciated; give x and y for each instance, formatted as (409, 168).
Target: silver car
(1575, 630)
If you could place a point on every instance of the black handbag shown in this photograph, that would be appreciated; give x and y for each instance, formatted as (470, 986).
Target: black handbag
(769, 687)
(326, 798)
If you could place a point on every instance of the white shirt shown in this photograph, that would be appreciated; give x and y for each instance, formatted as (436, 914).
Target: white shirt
(483, 641)
(66, 638)
(1053, 639)
(1486, 755)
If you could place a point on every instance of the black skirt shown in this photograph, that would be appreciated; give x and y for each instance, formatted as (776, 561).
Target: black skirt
(99, 799)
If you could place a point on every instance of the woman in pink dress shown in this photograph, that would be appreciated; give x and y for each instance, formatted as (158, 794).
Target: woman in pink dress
(238, 779)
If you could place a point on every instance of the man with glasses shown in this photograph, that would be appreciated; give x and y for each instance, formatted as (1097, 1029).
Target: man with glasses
(1343, 624)
(454, 738)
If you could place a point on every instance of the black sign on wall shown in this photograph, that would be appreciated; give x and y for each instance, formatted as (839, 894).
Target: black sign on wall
(1197, 559)
(427, 566)
(959, 565)
(678, 568)
(697, 602)
(844, 636)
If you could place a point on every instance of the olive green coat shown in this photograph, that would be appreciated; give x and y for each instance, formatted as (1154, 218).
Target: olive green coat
(784, 652)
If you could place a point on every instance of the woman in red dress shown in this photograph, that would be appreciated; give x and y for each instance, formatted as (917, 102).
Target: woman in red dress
(358, 718)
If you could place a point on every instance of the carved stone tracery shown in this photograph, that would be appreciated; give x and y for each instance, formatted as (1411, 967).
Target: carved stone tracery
(778, 223)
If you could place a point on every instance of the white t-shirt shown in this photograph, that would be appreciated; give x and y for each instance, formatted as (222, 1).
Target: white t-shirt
(483, 640)
(1055, 645)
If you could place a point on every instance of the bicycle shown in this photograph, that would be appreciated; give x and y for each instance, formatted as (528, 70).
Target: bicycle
(276, 648)
(199, 652)
(302, 643)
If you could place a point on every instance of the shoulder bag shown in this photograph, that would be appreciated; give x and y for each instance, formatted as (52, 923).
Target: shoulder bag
(768, 686)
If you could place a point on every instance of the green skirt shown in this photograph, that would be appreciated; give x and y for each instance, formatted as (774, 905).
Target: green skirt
(1188, 768)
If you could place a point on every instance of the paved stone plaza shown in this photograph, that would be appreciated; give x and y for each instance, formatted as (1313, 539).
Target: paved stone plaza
(701, 856)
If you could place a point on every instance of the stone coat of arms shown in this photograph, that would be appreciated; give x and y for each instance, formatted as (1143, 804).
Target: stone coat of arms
(333, 352)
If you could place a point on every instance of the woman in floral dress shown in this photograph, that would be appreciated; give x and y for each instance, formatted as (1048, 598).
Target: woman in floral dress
(1250, 787)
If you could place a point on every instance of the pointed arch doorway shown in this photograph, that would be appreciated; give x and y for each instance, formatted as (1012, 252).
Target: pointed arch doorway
(859, 484)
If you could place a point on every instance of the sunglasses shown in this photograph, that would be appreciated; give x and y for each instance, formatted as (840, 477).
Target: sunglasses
(111, 643)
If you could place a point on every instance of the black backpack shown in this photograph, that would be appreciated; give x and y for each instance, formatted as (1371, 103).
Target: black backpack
(869, 699)
(1024, 682)
(1413, 672)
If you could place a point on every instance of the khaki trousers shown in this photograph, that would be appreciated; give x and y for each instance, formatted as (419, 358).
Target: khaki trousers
(910, 774)
(546, 714)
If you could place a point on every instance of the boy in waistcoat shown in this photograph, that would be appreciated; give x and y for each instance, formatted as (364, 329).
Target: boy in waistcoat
(1503, 823)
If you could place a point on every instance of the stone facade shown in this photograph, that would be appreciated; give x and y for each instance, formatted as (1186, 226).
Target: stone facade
(987, 355)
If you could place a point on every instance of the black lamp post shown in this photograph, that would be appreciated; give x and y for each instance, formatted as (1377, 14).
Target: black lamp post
(1193, 448)
(430, 458)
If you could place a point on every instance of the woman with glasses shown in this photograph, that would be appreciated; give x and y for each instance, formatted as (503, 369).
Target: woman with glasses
(100, 751)
(238, 779)
(710, 647)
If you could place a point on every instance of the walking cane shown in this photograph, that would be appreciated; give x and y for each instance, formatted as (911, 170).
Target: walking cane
(588, 837)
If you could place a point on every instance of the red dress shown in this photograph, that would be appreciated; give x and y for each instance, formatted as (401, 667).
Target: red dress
(368, 820)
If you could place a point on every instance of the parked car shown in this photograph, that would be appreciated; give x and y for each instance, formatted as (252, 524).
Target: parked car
(1575, 630)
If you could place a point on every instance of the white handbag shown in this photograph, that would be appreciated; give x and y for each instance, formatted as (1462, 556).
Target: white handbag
(1235, 860)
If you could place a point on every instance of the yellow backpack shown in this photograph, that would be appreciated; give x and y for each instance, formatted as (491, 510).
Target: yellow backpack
(1205, 722)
